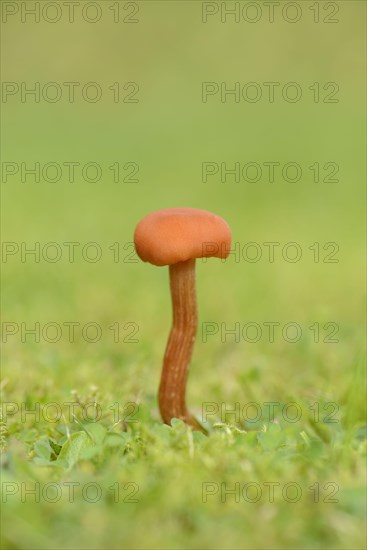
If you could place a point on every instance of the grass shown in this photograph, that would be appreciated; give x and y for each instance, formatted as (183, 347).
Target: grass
(122, 479)
(165, 487)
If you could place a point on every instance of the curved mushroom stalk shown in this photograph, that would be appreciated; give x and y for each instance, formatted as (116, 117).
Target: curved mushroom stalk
(172, 389)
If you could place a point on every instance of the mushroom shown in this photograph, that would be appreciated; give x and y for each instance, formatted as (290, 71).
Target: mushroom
(176, 237)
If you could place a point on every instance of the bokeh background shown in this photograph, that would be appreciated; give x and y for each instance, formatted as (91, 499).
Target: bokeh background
(169, 52)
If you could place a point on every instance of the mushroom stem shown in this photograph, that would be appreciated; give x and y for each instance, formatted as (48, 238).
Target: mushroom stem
(172, 389)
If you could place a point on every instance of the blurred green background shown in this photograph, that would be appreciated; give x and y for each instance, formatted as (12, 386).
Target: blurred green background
(169, 133)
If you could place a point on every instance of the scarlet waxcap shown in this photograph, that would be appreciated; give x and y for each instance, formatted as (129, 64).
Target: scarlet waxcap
(173, 235)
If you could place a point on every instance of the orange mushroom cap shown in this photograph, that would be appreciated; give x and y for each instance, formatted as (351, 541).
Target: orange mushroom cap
(173, 235)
